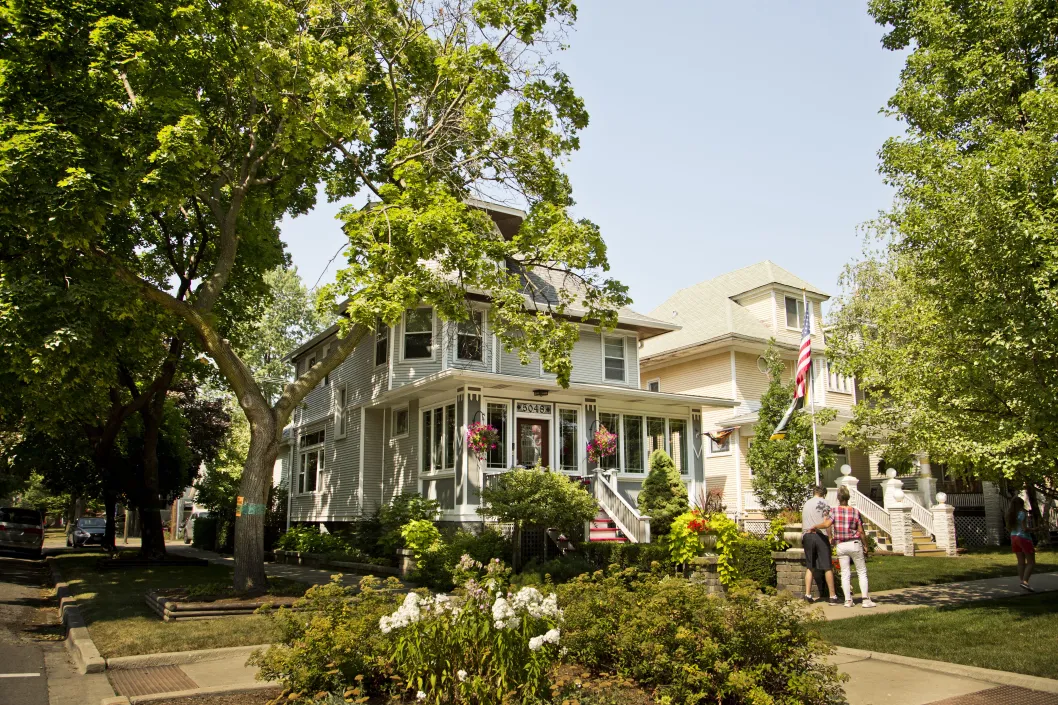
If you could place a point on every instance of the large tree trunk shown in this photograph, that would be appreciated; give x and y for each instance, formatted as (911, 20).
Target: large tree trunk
(256, 482)
(110, 502)
(152, 537)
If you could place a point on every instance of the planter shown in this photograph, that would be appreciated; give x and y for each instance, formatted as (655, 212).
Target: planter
(708, 542)
(176, 606)
(406, 557)
(704, 570)
(792, 535)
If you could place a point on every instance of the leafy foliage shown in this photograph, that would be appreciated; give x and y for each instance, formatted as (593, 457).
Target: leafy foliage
(664, 496)
(784, 469)
(390, 519)
(747, 647)
(950, 324)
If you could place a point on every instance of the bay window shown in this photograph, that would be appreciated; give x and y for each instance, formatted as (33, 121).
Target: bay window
(438, 449)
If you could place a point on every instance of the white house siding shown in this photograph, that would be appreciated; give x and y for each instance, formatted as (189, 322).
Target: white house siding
(405, 371)
(373, 464)
(760, 305)
(402, 461)
(708, 376)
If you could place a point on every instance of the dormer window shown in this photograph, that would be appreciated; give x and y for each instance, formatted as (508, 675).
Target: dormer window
(795, 313)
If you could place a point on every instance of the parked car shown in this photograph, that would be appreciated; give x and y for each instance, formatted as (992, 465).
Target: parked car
(21, 529)
(87, 531)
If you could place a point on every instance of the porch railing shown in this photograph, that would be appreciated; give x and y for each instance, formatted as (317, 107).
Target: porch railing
(632, 524)
(919, 514)
(870, 509)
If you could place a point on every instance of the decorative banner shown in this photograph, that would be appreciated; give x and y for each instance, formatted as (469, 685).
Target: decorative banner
(238, 506)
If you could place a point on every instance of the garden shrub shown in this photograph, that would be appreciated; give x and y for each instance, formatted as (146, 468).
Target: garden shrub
(558, 570)
(393, 517)
(752, 559)
(482, 547)
(671, 635)
(642, 556)
(664, 496)
(309, 539)
(204, 533)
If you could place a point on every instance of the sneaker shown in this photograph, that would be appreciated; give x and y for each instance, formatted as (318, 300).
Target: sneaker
(809, 599)
(1025, 586)
(834, 600)
(848, 603)
(868, 603)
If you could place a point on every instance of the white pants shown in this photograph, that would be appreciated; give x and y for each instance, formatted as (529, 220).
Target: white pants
(853, 550)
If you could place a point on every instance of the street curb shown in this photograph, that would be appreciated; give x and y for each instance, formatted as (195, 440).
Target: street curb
(215, 690)
(1046, 685)
(83, 651)
(176, 658)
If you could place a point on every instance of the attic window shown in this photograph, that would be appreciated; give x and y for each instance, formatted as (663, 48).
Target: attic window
(795, 313)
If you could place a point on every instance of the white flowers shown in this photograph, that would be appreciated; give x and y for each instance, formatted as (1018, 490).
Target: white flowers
(420, 695)
(461, 675)
(410, 612)
(506, 613)
(503, 615)
(551, 637)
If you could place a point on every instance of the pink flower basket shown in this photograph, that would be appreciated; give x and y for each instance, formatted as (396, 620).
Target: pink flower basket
(602, 445)
(481, 438)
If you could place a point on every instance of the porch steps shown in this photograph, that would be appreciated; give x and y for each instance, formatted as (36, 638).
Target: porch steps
(602, 529)
(924, 543)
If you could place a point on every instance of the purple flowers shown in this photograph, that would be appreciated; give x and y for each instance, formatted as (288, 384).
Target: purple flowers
(602, 445)
(481, 438)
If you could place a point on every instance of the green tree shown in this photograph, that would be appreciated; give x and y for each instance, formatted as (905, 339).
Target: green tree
(212, 121)
(784, 468)
(664, 496)
(950, 325)
(537, 497)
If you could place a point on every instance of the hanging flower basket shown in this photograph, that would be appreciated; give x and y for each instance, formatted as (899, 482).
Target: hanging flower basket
(481, 438)
(602, 445)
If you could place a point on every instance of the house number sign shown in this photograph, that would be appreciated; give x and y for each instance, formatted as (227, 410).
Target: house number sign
(528, 407)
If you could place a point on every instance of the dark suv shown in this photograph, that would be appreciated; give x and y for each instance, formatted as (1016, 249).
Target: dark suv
(21, 529)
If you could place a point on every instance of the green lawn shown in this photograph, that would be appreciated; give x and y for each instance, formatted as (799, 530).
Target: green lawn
(121, 624)
(888, 572)
(1014, 634)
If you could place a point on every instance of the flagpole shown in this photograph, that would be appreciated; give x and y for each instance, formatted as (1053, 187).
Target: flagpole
(812, 393)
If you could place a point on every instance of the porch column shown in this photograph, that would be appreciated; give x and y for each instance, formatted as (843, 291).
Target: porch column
(472, 476)
(995, 527)
(890, 486)
(944, 524)
(900, 520)
(591, 415)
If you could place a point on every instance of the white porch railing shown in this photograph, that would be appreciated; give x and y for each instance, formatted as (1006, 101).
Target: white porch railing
(870, 510)
(632, 524)
(919, 514)
(750, 503)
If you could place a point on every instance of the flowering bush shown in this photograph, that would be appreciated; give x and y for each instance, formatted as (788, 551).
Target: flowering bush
(481, 438)
(487, 645)
(602, 445)
(684, 541)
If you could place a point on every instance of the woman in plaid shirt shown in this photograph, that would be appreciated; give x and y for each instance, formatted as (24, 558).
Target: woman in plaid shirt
(847, 533)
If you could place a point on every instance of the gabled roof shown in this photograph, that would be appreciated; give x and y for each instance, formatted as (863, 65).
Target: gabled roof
(707, 312)
(760, 275)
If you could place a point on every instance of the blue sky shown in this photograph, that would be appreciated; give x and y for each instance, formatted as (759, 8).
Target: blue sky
(722, 133)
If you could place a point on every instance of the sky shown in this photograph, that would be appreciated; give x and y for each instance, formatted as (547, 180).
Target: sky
(721, 134)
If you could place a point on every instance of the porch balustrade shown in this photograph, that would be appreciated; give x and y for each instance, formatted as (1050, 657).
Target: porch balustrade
(632, 524)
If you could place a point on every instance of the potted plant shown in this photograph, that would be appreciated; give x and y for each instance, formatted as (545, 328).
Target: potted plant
(792, 531)
(603, 444)
(481, 438)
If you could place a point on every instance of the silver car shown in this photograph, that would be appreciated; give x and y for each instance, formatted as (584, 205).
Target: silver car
(21, 529)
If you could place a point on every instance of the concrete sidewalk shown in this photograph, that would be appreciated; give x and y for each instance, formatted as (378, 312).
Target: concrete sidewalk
(940, 595)
(301, 574)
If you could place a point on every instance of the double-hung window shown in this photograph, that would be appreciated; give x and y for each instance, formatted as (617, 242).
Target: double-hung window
(795, 313)
(311, 461)
(613, 351)
(418, 334)
(401, 419)
(470, 337)
(439, 439)
(496, 416)
(381, 343)
(724, 446)
(678, 444)
(340, 422)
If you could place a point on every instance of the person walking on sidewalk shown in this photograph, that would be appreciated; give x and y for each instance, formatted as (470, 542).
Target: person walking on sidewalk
(1021, 540)
(815, 519)
(851, 541)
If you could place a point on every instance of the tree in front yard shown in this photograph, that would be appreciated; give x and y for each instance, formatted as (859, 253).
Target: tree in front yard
(784, 468)
(164, 146)
(664, 496)
(951, 326)
(537, 497)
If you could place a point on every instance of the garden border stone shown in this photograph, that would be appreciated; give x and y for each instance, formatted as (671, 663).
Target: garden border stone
(78, 642)
(1046, 685)
(178, 658)
(173, 611)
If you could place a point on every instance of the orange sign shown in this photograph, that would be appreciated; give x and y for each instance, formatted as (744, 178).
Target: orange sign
(238, 506)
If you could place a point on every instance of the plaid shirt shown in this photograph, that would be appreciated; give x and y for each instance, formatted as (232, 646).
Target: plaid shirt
(847, 523)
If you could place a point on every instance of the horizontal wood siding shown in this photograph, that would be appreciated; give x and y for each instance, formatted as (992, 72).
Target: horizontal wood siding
(405, 371)
(750, 381)
(708, 376)
(373, 463)
(761, 306)
(402, 459)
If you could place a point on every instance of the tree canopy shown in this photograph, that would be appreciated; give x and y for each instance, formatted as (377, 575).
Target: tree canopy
(164, 141)
(950, 321)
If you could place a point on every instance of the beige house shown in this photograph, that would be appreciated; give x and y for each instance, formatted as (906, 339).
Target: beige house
(725, 325)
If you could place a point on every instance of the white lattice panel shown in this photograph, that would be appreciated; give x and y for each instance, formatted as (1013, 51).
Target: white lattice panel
(970, 531)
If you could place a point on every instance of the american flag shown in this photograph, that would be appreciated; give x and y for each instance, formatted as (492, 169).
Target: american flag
(804, 357)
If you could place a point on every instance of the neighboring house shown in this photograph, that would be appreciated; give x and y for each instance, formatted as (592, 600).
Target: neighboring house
(392, 417)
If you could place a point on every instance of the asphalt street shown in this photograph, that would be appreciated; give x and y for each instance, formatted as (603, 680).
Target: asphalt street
(23, 680)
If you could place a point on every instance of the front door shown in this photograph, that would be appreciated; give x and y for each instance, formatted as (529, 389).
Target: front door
(532, 442)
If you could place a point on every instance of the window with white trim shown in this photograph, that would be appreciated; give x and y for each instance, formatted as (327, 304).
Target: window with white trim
(327, 377)
(724, 446)
(613, 357)
(568, 444)
(654, 385)
(795, 313)
(438, 439)
(381, 343)
(470, 337)
(418, 334)
(401, 422)
(836, 381)
(612, 423)
(639, 436)
(311, 461)
(678, 445)
(339, 412)
(496, 416)
(632, 430)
